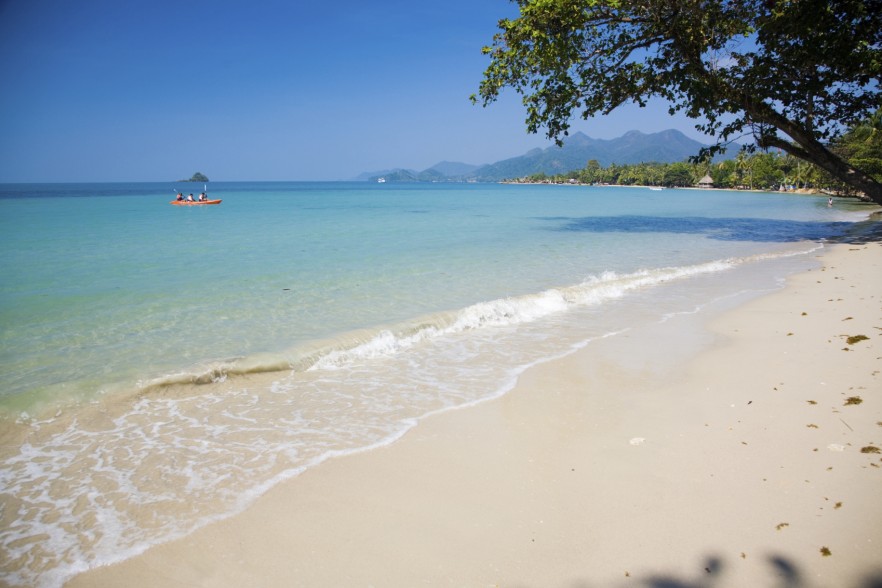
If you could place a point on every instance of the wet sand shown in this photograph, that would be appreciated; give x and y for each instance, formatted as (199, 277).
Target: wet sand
(754, 462)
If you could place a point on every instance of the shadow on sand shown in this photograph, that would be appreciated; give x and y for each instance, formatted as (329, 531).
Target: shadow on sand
(782, 573)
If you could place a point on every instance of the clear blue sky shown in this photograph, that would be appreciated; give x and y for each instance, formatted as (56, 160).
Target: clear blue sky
(154, 90)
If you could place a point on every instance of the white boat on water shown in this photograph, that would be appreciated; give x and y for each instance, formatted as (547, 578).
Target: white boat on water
(381, 180)
(655, 187)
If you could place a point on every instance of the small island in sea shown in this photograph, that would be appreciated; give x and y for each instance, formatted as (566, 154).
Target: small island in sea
(197, 177)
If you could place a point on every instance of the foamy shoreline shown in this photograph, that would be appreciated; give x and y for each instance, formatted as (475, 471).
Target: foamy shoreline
(742, 466)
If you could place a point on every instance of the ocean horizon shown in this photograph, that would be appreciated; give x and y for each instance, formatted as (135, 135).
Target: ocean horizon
(163, 366)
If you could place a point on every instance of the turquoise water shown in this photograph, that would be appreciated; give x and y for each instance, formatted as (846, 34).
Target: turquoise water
(164, 365)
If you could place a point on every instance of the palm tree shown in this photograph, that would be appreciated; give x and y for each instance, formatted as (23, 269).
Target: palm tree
(744, 163)
(871, 125)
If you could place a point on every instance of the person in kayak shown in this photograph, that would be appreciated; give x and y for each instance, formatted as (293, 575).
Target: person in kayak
(179, 197)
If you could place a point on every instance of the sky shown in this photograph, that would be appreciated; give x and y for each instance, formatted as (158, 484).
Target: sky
(258, 90)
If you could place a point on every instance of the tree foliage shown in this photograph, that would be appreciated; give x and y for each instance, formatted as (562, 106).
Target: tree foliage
(791, 73)
(862, 147)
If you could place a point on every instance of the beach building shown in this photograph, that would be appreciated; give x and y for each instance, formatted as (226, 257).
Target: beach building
(706, 182)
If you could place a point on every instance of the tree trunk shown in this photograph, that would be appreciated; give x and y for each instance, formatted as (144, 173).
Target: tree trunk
(835, 166)
(808, 148)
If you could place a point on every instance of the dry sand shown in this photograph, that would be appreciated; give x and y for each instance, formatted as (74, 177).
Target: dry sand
(746, 465)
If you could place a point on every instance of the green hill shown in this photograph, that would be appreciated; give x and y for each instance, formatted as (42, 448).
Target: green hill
(633, 147)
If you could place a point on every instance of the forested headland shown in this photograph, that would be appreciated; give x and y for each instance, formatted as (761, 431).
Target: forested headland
(759, 170)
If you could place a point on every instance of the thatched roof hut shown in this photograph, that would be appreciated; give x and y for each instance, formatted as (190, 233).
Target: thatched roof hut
(706, 182)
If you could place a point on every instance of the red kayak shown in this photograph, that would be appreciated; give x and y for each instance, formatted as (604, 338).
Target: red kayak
(194, 202)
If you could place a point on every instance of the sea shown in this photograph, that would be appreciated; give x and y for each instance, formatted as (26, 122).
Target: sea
(163, 366)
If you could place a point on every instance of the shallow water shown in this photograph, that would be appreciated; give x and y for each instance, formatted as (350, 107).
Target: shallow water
(163, 366)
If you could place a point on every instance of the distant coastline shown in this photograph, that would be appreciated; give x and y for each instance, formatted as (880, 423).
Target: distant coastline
(549, 182)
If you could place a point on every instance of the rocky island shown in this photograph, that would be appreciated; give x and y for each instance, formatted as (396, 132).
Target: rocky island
(197, 177)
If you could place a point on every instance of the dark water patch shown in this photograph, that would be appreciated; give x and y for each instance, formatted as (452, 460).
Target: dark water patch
(869, 231)
(722, 229)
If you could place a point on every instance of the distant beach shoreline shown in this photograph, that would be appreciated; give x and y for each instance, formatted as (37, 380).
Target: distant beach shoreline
(806, 191)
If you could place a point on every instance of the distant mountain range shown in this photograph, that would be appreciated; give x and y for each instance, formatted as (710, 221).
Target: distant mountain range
(633, 147)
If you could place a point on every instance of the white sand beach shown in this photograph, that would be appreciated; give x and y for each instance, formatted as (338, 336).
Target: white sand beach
(741, 453)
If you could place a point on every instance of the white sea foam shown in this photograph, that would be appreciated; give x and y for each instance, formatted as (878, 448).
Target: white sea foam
(513, 311)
